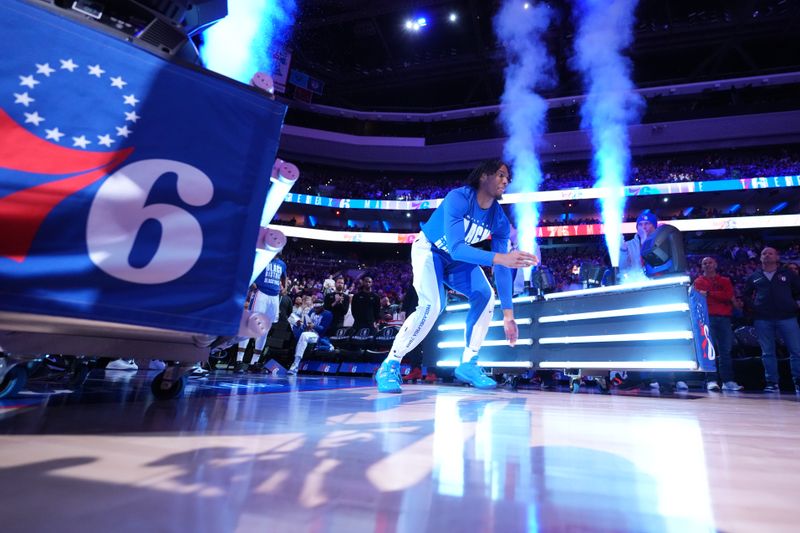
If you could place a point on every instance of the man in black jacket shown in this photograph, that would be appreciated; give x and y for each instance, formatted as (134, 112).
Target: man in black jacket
(366, 306)
(338, 303)
(772, 293)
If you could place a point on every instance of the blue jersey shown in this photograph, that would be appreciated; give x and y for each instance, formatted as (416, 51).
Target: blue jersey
(269, 281)
(459, 222)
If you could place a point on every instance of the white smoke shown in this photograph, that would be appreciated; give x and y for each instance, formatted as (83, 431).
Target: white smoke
(523, 112)
(604, 31)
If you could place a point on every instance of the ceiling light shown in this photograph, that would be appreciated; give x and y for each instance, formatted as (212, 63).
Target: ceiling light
(453, 17)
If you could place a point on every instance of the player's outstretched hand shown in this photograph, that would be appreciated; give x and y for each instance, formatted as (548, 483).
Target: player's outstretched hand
(516, 259)
(511, 330)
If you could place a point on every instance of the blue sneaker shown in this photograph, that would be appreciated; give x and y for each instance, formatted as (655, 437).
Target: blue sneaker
(471, 373)
(388, 377)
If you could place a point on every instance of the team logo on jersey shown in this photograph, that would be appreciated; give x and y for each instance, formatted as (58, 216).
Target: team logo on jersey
(474, 231)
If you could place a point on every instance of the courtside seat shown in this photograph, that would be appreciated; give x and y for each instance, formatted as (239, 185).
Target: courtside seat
(382, 343)
(359, 342)
(342, 338)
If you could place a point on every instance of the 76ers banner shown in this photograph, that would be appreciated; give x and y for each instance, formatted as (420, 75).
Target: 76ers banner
(130, 188)
(698, 311)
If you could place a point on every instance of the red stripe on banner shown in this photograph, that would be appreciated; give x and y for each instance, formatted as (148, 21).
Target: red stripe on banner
(22, 150)
(22, 212)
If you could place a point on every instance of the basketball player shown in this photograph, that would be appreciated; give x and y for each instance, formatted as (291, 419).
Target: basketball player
(267, 299)
(442, 257)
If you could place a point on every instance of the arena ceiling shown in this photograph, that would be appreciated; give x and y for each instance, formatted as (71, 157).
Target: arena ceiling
(368, 60)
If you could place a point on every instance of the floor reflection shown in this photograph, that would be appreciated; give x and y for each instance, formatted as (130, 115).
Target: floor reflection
(331, 455)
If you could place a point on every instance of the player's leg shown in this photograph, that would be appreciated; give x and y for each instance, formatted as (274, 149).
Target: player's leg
(428, 271)
(471, 281)
(268, 305)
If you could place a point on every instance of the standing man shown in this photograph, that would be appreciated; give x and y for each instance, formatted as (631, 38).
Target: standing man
(366, 306)
(772, 293)
(632, 268)
(718, 291)
(267, 288)
(442, 257)
(338, 303)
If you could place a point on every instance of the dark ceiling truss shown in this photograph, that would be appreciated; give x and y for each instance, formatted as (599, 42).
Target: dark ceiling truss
(366, 61)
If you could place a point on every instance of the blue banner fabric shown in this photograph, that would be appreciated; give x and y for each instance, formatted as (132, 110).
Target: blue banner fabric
(131, 187)
(704, 349)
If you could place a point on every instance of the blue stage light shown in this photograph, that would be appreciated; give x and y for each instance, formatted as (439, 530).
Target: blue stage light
(244, 42)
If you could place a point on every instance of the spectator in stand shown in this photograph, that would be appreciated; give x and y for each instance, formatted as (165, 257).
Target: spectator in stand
(366, 306)
(386, 307)
(718, 291)
(349, 183)
(312, 329)
(285, 308)
(772, 293)
(338, 303)
(297, 308)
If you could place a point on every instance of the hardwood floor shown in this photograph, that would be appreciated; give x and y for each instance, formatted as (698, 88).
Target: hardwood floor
(436, 459)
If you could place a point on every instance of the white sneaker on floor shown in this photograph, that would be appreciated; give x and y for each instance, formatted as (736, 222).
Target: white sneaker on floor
(681, 385)
(712, 386)
(731, 385)
(122, 364)
(655, 385)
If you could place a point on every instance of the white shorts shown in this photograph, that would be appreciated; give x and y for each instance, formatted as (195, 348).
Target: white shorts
(269, 305)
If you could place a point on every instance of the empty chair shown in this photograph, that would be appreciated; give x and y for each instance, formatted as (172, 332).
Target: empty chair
(360, 341)
(342, 338)
(382, 343)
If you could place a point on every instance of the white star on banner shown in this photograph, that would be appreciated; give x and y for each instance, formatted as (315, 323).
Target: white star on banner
(68, 64)
(54, 134)
(28, 81)
(81, 141)
(45, 69)
(105, 140)
(23, 99)
(118, 82)
(33, 118)
(81, 136)
(95, 70)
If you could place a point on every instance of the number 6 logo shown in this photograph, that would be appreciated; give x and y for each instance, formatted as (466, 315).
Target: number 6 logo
(118, 213)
